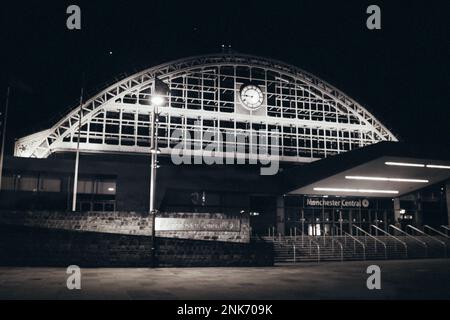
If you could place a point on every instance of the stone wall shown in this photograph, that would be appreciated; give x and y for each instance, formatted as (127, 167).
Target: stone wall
(118, 222)
(201, 226)
(33, 246)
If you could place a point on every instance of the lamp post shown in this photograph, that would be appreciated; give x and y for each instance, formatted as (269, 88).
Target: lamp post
(157, 100)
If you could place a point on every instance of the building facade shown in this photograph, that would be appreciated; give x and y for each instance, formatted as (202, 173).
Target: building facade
(250, 106)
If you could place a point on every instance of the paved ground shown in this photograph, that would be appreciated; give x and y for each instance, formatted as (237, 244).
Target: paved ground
(411, 279)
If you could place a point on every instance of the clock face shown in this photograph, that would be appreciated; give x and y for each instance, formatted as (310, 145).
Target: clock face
(252, 97)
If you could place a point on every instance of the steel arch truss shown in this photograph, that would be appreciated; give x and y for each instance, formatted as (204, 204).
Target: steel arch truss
(313, 119)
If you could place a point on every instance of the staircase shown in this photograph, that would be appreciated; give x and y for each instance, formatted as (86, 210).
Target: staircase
(293, 249)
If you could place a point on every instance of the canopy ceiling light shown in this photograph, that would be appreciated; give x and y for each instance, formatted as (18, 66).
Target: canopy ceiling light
(437, 166)
(356, 190)
(386, 179)
(404, 164)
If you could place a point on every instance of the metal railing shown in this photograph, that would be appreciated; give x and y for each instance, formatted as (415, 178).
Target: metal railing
(286, 242)
(354, 243)
(293, 233)
(333, 240)
(393, 237)
(431, 237)
(446, 228)
(436, 231)
(372, 237)
(271, 234)
(311, 241)
(412, 237)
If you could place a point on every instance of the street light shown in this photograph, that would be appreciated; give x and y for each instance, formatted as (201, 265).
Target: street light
(157, 100)
(159, 91)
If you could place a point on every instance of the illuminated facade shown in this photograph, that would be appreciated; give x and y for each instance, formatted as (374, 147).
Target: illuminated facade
(344, 151)
(227, 93)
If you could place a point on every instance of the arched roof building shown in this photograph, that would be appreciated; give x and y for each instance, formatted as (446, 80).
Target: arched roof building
(344, 151)
(313, 119)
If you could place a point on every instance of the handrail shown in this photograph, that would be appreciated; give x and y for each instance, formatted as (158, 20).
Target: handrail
(318, 248)
(340, 244)
(360, 242)
(293, 234)
(371, 236)
(393, 237)
(423, 233)
(411, 236)
(431, 237)
(446, 228)
(437, 231)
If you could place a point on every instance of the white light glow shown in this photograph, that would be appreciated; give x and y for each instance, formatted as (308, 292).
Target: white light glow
(404, 164)
(356, 190)
(437, 166)
(385, 179)
(111, 189)
(157, 100)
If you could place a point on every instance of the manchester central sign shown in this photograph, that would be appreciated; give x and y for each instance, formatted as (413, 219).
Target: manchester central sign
(337, 203)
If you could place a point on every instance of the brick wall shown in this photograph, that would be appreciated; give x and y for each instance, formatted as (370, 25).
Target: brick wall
(201, 226)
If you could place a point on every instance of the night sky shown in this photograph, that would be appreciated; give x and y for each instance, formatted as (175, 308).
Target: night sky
(401, 72)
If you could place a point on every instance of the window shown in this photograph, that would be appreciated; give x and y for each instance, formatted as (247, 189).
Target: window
(96, 187)
(85, 186)
(98, 206)
(50, 185)
(28, 183)
(106, 187)
(8, 183)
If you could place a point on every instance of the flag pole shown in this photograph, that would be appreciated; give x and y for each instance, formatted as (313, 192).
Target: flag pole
(5, 118)
(77, 157)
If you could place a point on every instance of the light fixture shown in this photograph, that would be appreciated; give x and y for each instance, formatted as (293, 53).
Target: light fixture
(157, 100)
(404, 164)
(437, 166)
(111, 189)
(402, 211)
(157, 151)
(385, 179)
(356, 190)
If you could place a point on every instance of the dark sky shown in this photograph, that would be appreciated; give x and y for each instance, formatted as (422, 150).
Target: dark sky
(401, 73)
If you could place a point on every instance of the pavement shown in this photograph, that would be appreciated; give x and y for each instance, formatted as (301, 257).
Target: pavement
(400, 279)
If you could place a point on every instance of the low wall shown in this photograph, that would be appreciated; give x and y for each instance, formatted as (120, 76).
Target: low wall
(33, 246)
(201, 226)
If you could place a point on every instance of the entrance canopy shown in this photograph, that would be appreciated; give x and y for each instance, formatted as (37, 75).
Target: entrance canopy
(382, 170)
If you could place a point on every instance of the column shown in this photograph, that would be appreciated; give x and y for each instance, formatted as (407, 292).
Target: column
(350, 221)
(396, 210)
(418, 212)
(280, 215)
(447, 197)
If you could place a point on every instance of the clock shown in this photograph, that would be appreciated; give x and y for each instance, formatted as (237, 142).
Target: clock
(251, 96)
